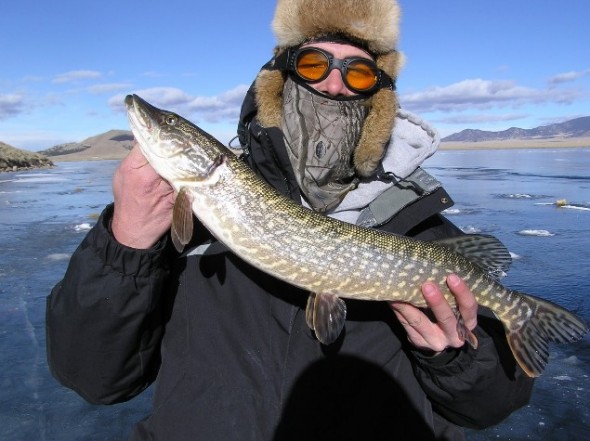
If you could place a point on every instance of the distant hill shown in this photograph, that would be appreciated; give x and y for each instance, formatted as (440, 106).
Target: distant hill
(575, 128)
(114, 144)
(13, 159)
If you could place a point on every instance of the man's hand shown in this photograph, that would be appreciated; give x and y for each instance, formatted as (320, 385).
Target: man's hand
(143, 202)
(441, 332)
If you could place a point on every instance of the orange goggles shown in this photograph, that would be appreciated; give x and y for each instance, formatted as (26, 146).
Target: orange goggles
(359, 74)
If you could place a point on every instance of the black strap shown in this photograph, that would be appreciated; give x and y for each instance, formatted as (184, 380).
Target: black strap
(400, 196)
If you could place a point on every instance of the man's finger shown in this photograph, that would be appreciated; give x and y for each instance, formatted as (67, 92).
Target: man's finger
(443, 313)
(466, 302)
(414, 322)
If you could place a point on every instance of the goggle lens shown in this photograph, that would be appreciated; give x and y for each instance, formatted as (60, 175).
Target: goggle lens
(359, 74)
(312, 65)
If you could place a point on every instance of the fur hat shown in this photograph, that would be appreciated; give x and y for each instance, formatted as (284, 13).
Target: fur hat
(370, 24)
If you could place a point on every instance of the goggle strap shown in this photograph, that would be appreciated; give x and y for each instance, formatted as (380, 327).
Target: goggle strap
(281, 62)
(386, 82)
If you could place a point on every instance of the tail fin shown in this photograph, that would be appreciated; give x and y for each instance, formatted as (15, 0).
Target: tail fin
(547, 322)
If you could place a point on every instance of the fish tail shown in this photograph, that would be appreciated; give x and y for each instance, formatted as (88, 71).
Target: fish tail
(535, 323)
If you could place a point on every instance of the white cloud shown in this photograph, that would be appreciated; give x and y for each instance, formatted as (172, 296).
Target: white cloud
(99, 89)
(76, 75)
(220, 108)
(567, 77)
(482, 118)
(11, 105)
(479, 94)
(169, 98)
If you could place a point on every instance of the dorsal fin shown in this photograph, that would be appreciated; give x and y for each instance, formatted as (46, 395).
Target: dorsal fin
(484, 250)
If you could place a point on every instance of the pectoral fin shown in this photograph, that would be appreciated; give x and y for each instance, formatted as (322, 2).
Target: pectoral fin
(325, 314)
(182, 220)
(465, 333)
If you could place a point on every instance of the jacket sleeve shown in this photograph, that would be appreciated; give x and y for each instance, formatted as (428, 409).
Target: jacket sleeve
(104, 320)
(476, 388)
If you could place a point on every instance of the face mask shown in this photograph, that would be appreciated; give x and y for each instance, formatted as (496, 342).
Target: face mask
(321, 134)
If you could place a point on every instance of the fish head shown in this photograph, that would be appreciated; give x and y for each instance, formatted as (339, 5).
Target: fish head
(175, 147)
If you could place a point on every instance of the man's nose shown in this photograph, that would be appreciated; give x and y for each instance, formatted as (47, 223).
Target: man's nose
(334, 85)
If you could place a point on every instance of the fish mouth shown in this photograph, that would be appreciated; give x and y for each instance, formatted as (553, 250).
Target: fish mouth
(141, 118)
(140, 112)
(129, 101)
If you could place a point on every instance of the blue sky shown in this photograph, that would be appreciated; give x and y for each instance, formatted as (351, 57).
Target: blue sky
(65, 67)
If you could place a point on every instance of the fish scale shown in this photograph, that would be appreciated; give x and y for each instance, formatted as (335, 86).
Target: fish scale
(329, 258)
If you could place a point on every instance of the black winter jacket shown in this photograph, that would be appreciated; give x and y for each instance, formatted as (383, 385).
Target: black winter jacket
(233, 356)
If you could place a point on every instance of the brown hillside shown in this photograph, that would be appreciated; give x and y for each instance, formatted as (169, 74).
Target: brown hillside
(114, 144)
(13, 159)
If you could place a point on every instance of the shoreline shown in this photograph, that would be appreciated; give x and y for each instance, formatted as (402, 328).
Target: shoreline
(17, 169)
(541, 143)
(513, 144)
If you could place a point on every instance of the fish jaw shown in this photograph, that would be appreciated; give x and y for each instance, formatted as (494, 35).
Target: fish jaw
(176, 149)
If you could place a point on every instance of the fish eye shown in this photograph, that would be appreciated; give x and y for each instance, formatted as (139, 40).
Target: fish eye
(171, 120)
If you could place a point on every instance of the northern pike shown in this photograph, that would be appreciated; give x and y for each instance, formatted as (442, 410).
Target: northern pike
(329, 258)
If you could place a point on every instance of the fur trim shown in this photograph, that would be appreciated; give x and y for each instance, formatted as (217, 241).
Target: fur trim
(391, 63)
(269, 97)
(380, 120)
(376, 132)
(374, 23)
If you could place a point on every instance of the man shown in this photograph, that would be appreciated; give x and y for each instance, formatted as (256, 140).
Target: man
(233, 356)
